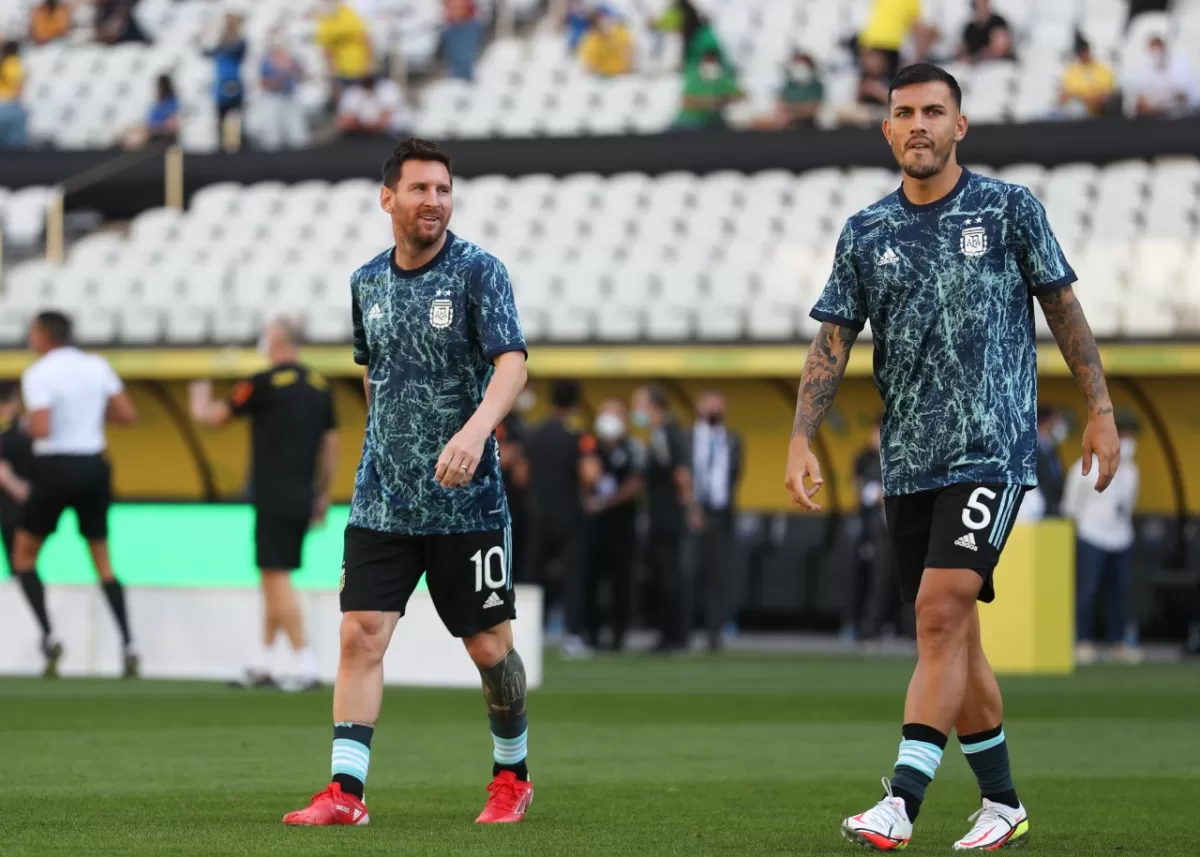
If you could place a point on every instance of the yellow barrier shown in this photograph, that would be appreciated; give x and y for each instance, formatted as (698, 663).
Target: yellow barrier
(1030, 628)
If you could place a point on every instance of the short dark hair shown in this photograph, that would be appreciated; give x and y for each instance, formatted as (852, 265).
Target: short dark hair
(657, 396)
(55, 325)
(1045, 413)
(9, 390)
(564, 393)
(923, 72)
(413, 149)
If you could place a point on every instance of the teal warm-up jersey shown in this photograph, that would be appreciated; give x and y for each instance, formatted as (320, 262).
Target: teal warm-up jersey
(428, 337)
(948, 288)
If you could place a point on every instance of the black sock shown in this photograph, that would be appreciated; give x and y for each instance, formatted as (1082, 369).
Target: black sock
(350, 785)
(520, 769)
(35, 594)
(987, 754)
(116, 600)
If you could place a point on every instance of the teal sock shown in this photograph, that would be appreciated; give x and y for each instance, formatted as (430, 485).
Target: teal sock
(351, 756)
(920, 754)
(987, 754)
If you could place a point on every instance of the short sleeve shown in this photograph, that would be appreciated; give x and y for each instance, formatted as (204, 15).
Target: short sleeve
(493, 308)
(246, 396)
(111, 380)
(36, 392)
(362, 353)
(1043, 265)
(843, 302)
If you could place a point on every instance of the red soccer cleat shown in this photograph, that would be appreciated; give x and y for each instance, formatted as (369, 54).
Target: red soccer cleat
(509, 799)
(332, 806)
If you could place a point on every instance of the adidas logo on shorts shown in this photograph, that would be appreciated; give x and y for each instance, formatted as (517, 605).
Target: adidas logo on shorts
(493, 600)
(968, 542)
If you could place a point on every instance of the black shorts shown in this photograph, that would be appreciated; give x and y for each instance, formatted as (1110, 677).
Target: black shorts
(960, 526)
(60, 482)
(11, 514)
(469, 575)
(279, 540)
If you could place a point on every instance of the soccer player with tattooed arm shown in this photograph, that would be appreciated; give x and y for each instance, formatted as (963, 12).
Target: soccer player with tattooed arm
(436, 326)
(946, 269)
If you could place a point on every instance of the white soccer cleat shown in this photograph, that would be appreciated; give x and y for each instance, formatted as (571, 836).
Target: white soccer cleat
(883, 827)
(996, 826)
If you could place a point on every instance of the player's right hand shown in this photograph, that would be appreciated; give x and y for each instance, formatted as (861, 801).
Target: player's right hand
(803, 463)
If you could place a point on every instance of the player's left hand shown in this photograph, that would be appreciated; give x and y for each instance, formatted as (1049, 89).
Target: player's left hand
(1100, 439)
(456, 465)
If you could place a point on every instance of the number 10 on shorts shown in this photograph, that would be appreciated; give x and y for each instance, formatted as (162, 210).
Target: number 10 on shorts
(485, 564)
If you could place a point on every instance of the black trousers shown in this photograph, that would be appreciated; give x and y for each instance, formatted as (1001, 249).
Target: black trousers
(664, 561)
(559, 547)
(612, 545)
(713, 561)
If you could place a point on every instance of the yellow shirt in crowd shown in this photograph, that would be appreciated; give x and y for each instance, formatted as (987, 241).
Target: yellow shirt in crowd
(609, 52)
(1088, 81)
(346, 41)
(12, 73)
(889, 24)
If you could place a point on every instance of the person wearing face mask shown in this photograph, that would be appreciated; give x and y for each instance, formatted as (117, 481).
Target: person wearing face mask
(612, 475)
(671, 507)
(717, 468)
(1164, 86)
(294, 453)
(709, 86)
(799, 99)
(1052, 431)
(1104, 539)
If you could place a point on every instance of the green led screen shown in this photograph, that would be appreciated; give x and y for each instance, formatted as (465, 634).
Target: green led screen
(187, 544)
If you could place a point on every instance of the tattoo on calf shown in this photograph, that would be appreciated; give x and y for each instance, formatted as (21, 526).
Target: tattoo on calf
(823, 370)
(504, 689)
(1064, 315)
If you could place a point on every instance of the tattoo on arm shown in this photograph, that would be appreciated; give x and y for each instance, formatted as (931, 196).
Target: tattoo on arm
(1064, 315)
(823, 371)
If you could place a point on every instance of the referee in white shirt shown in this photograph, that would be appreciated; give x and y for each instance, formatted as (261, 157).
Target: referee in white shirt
(68, 397)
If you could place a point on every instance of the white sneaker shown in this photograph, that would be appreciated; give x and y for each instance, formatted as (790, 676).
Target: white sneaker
(1086, 654)
(996, 826)
(883, 827)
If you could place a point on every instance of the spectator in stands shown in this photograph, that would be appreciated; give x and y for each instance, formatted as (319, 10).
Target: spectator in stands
(578, 18)
(1052, 431)
(1164, 86)
(280, 117)
(374, 107)
(889, 28)
(871, 96)
(163, 120)
(50, 21)
(115, 23)
(799, 98)
(607, 47)
(986, 36)
(228, 55)
(1105, 537)
(1088, 86)
(462, 35)
(14, 132)
(344, 37)
(709, 86)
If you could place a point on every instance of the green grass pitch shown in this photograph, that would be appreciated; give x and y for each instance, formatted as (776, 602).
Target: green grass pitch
(730, 755)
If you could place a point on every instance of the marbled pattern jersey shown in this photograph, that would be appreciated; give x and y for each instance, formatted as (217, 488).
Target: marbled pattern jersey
(428, 337)
(948, 288)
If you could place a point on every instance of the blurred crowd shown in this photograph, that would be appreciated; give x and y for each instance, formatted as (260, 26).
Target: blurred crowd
(364, 99)
(633, 515)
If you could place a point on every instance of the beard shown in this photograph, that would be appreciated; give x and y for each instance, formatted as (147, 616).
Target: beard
(927, 169)
(422, 236)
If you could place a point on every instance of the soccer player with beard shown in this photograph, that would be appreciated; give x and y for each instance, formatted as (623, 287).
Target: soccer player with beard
(946, 269)
(436, 326)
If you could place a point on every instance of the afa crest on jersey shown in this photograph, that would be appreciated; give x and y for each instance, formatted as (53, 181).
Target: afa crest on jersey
(974, 241)
(441, 313)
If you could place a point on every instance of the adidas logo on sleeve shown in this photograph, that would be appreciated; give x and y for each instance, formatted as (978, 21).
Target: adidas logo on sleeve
(968, 542)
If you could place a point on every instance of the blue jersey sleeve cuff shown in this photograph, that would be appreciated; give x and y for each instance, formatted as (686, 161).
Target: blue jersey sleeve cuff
(492, 353)
(840, 320)
(1054, 285)
(361, 357)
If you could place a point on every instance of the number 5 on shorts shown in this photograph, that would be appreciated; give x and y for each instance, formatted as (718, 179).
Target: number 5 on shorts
(483, 568)
(973, 505)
